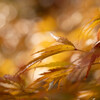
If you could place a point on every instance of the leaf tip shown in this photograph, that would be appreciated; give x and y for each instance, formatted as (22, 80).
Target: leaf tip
(54, 36)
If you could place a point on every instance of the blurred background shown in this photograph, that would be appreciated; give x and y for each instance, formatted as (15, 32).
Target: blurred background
(25, 27)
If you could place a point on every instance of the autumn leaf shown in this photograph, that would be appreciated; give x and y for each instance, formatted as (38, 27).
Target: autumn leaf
(88, 28)
(61, 39)
(52, 50)
(55, 65)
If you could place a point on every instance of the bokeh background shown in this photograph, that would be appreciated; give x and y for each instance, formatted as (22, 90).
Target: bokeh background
(25, 27)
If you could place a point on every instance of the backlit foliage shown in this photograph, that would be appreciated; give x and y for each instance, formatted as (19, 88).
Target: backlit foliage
(67, 79)
(63, 39)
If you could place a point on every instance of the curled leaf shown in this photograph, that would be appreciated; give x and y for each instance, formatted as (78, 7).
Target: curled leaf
(62, 39)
